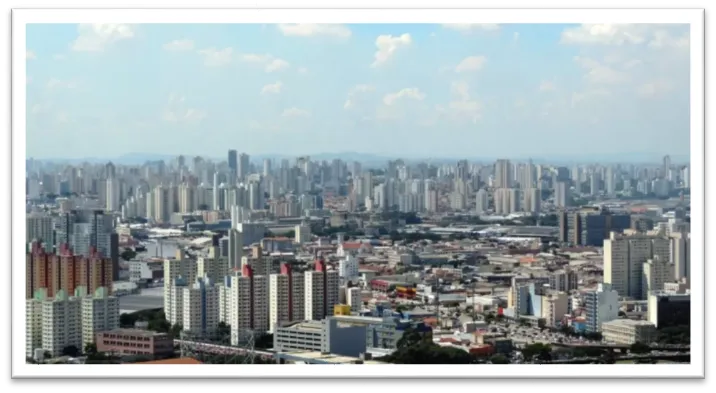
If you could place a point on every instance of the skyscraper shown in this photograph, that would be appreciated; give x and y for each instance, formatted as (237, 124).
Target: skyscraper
(233, 163)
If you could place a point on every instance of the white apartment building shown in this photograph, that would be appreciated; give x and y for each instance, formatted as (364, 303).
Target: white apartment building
(624, 258)
(303, 234)
(286, 297)
(201, 305)
(174, 308)
(601, 306)
(178, 268)
(657, 272)
(54, 324)
(100, 313)
(40, 227)
(627, 332)
(348, 268)
(249, 305)
(555, 305)
(481, 201)
(321, 293)
(353, 299)
(680, 246)
(213, 266)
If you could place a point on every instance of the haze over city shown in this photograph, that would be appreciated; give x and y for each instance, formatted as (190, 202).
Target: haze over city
(609, 92)
(358, 194)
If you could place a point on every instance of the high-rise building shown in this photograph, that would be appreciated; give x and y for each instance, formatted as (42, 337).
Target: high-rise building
(40, 229)
(532, 200)
(243, 170)
(561, 195)
(249, 312)
(286, 297)
(503, 174)
(233, 163)
(601, 306)
(657, 272)
(188, 201)
(65, 271)
(481, 201)
(680, 251)
(200, 303)
(303, 234)
(590, 226)
(624, 258)
(321, 288)
(214, 266)
(177, 273)
(57, 322)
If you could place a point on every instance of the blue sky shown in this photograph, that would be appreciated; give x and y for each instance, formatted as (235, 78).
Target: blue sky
(391, 89)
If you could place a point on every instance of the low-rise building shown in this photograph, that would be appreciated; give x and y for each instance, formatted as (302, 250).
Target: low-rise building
(627, 332)
(326, 336)
(135, 342)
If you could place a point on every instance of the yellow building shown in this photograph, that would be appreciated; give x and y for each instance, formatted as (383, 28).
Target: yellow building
(342, 309)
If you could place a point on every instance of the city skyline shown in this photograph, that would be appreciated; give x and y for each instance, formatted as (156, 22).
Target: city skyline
(447, 90)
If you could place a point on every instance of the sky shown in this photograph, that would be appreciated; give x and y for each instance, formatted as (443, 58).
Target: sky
(401, 90)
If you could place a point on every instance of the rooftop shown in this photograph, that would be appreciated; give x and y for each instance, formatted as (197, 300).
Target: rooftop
(628, 322)
(173, 361)
(134, 332)
(325, 358)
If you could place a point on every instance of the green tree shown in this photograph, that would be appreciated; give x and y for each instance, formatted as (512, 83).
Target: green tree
(127, 320)
(410, 337)
(223, 330)
(537, 351)
(264, 341)
(71, 351)
(174, 330)
(128, 254)
(427, 352)
(90, 348)
(639, 348)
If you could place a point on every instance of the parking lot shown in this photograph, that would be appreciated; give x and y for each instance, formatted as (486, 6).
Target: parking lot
(531, 335)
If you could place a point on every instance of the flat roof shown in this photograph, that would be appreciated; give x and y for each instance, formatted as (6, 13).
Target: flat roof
(327, 358)
(136, 332)
(628, 322)
(172, 361)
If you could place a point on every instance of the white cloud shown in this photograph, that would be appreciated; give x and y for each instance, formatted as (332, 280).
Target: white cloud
(273, 88)
(654, 35)
(588, 95)
(598, 73)
(546, 86)
(59, 57)
(96, 37)
(187, 115)
(387, 46)
(217, 57)
(462, 106)
(29, 55)
(355, 93)
(469, 27)
(655, 88)
(312, 29)
(515, 37)
(276, 65)
(179, 45)
(471, 63)
(268, 62)
(302, 70)
(176, 111)
(295, 112)
(412, 93)
(55, 83)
